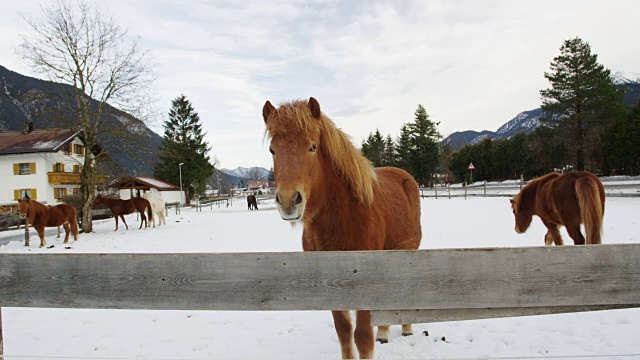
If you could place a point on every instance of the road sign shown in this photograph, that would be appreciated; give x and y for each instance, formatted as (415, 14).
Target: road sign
(471, 167)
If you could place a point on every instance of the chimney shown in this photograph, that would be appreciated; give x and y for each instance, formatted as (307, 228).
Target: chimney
(28, 127)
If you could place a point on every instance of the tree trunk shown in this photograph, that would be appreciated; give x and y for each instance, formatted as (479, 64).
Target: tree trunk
(87, 187)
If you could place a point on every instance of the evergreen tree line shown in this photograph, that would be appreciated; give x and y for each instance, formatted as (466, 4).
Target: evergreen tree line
(586, 126)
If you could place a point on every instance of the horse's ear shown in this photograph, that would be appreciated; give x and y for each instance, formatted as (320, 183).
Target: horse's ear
(511, 200)
(314, 107)
(267, 109)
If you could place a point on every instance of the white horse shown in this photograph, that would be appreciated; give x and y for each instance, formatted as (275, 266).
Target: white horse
(157, 207)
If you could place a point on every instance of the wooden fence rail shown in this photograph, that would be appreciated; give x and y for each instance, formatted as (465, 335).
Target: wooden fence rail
(420, 286)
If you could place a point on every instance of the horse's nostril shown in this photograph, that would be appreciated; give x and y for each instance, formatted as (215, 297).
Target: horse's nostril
(298, 198)
(277, 198)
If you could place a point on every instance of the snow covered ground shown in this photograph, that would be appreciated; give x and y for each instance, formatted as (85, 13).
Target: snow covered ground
(447, 223)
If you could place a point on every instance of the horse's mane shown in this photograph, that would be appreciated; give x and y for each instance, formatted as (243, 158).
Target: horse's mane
(533, 184)
(295, 117)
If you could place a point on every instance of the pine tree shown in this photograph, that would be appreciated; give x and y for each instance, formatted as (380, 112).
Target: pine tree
(389, 153)
(579, 101)
(404, 150)
(373, 148)
(184, 143)
(425, 138)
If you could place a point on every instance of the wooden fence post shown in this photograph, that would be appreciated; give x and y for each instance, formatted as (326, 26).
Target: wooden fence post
(26, 232)
(449, 190)
(465, 190)
(485, 188)
(521, 181)
(436, 188)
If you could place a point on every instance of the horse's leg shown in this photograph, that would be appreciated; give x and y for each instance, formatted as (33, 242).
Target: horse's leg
(74, 228)
(67, 229)
(154, 218)
(342, 322)
(364, 334)
(40, 230)
(143, 220)
(407, 330)
(124, 221)
(383, 334)
(576, 235)
(116, 222)
(553, 234)
(162, 220)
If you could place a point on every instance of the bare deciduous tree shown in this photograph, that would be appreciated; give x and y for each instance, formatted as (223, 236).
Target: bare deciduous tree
(78, 45)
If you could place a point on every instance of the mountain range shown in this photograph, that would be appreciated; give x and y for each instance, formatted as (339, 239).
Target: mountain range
(525, 121)
(252, 173)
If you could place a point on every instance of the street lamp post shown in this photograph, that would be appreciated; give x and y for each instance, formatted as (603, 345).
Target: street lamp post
(180, 168)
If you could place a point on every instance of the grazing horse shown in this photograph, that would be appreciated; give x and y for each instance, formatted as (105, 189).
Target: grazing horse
(41, 216)
(571, 199)
(343, 203)
(157, 207)
(121, 207)
(252, 202)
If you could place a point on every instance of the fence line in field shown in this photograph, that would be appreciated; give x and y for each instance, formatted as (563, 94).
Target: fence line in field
(419, 286)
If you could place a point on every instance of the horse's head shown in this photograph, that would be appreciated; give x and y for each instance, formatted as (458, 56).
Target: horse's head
(96, 201)
(23, 206)
(522, 211)
(295, 131)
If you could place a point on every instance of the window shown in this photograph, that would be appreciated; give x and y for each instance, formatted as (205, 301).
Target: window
(60, 192)
(77, 169)
(24, 169)
(68, 148)
(24, 193)
(58, 167)
(76, 191)
(78, 149)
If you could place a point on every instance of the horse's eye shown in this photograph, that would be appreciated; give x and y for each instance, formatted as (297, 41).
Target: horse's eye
(271, 151)
(312, 148)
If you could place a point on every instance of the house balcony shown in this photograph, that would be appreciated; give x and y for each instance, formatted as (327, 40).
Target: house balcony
(69, 178)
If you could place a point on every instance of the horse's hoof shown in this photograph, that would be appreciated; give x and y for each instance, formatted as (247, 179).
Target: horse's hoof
(407, 334)
(382, 341)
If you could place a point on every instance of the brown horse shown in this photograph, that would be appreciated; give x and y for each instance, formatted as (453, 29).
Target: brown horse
(252, 203)
(341, 200)
(41, 216)
(121, 207)
(571, 199)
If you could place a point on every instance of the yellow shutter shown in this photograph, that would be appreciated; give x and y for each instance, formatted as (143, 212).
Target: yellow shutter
(61, 167)
(34, 194)
(32, 168)
(16, 194)
(64, 192)
(16, 169)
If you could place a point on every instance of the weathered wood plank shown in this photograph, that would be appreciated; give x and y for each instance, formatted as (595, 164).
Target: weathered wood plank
(397, 317)
(385, 280)
(1, 337)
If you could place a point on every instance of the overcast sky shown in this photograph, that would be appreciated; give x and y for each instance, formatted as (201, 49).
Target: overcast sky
(472, 64)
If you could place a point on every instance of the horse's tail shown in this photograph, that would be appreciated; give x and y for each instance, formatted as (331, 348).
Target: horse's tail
(149, 211)
(588, 191)
(412, 190)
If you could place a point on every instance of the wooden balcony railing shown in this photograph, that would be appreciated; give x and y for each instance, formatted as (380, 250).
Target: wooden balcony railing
(69, 178)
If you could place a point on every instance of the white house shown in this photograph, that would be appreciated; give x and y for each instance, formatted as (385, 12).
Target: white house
(43, 164)
(137, 185)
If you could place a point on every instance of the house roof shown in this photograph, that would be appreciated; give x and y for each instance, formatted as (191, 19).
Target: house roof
(143, 182)
(36, 141)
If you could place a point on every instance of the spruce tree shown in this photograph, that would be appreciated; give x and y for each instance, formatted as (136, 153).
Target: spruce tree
(579, 101)
(404, 150)
(389, 153)
(184, 143)
(373, 148)
(425, 138)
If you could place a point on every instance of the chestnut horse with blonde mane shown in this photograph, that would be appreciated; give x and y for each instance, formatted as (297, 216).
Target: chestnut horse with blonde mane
(121, 208)
(343, 203)
(571, 199)
(41, 216)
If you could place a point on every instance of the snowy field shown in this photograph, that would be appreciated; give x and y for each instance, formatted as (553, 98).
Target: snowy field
(455, 223)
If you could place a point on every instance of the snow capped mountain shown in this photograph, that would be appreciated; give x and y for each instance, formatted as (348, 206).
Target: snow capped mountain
(252, 173)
